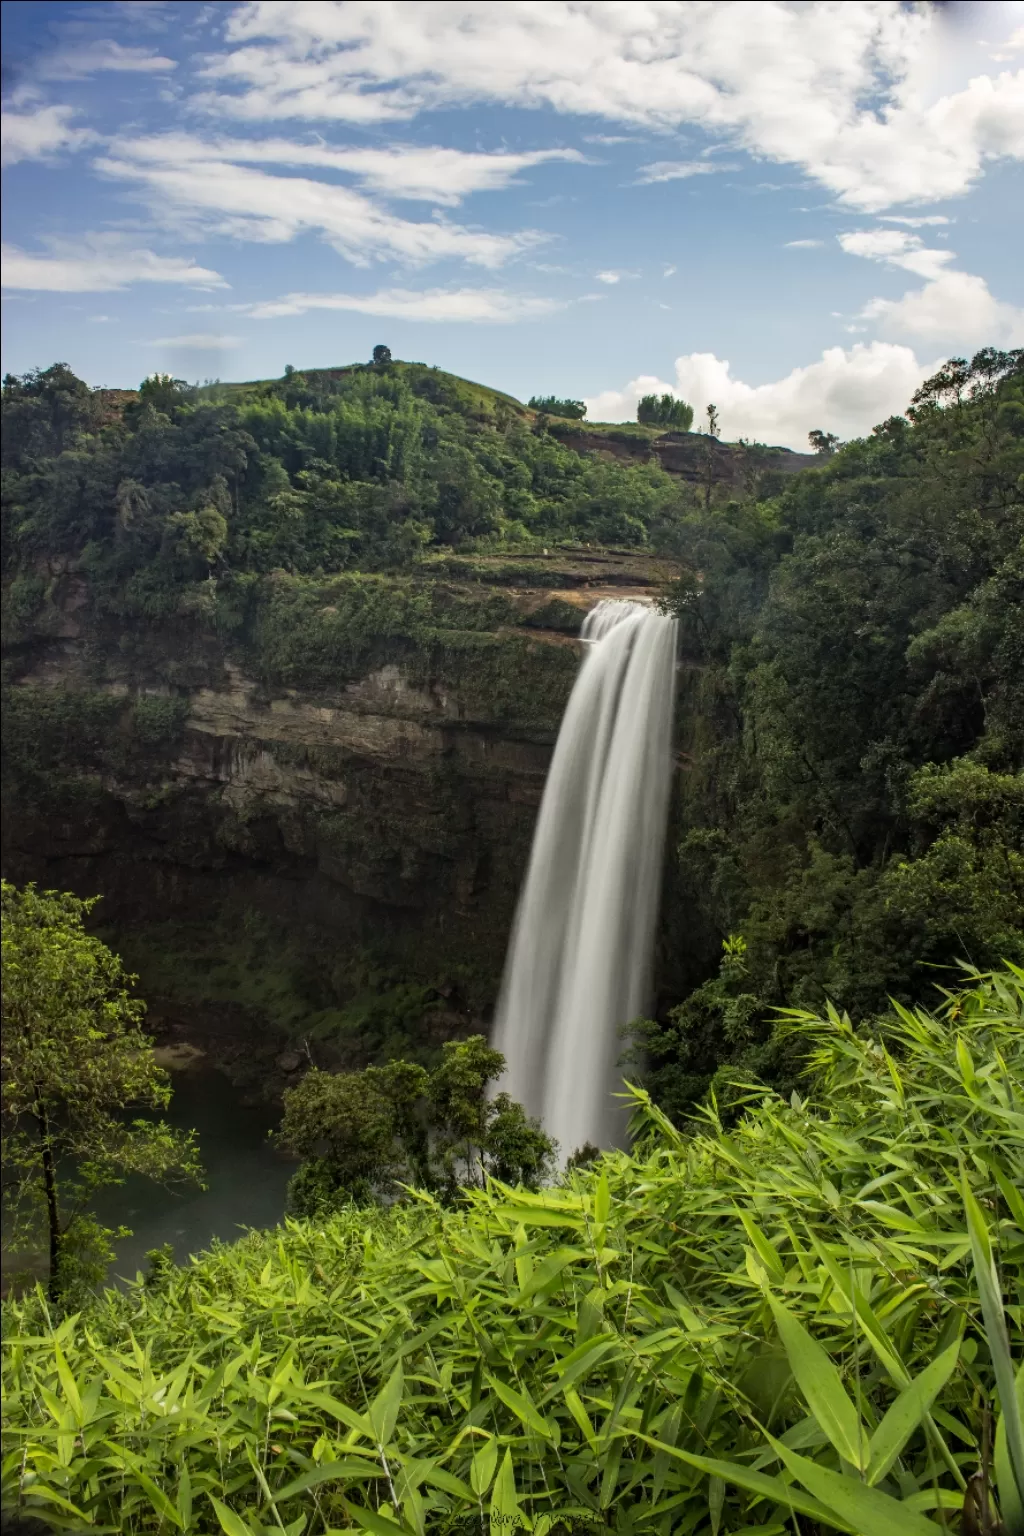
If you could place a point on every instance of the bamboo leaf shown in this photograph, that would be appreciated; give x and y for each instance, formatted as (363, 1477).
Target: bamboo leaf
(822, 1387)
(231, 1523)
(863, 1509)
(771, 1488)
(1008, 1486)
(481, 1469)
(521, 1406)
(376, 1524)
(504, 1512)
(990, 1293)
(908, 1411)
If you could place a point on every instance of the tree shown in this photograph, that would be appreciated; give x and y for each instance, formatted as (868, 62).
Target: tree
(824, 443)
(362, 1134)
(713, 426)
(665, 411)
(381, 356)
(574, 410)
(74, 1058)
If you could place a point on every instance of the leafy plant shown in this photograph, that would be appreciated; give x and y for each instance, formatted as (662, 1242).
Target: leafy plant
(799, 1324)
(73, 1057)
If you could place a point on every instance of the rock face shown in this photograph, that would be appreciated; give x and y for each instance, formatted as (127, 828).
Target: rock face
(691, 456)
(389, 813)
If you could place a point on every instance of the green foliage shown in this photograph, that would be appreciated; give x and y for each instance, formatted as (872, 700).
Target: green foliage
(852, 804)
(59, 742)
(551, 405)
(665, 411)
(73, 1059)
(362, 1134)
(310, 474)
(807, 1322)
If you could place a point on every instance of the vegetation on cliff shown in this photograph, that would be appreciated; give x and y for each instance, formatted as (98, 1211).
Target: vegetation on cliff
(795, 1324)
(853, 805)
(850, 812)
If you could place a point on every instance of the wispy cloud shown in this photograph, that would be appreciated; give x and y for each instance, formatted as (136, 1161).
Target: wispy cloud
(613, 275)
(478, 305)
(420, 172)
(803, 245)
(680, 170)
(182, 179)
(99, 263)
(197, 341)
(793, 93)
(80, 60)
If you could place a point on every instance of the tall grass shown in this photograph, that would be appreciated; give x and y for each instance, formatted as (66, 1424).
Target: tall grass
(798, 1324)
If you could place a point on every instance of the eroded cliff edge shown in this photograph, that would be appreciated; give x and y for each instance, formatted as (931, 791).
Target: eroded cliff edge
(296, 800)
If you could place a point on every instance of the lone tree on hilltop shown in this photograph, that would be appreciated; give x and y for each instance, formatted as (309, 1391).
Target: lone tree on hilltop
(381, 356)
(824, 443)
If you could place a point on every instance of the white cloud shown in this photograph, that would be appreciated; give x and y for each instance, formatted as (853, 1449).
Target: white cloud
(670, 272)
(846, 391)
(99, 264)
(612, 275)
(78, 61)
(178, 176)
(35, 132)
(428, 173)
(435, 304)
(679, 170)
(954, 307)
(918, 223)
(803, 245)
(883, 104)
(198, 341)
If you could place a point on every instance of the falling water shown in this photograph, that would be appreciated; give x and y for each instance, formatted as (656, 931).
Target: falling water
(578, 964)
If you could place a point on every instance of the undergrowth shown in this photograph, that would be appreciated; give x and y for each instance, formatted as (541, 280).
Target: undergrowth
(792, 1325)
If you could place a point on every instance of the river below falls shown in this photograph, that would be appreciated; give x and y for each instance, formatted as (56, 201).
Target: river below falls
(246, 1178)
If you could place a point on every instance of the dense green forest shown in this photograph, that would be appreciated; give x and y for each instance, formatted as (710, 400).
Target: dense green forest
(850, 812)
(785, 1310)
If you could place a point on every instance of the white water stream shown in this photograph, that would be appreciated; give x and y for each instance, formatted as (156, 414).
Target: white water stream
(578, 964)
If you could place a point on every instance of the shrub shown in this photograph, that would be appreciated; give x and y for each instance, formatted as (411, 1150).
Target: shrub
(796, 1319)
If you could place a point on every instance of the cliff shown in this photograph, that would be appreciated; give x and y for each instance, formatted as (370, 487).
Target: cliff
(294, 821)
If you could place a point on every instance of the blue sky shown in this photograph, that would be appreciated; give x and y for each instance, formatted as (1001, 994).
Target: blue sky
(793, 210)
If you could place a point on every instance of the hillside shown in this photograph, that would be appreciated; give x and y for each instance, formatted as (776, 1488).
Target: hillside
(284, 663)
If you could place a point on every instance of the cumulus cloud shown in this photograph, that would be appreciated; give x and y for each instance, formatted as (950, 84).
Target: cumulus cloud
(427, 173)
(99, 264)
(845, 391)
(882, 104)
(434, 304)
(954, 307)
(183, 177)
(31, 132)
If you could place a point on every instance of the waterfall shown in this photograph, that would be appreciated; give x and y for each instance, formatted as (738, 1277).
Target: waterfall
(578, 964)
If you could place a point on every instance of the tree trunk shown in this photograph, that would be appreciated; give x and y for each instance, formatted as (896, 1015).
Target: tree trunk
(50, 1190)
